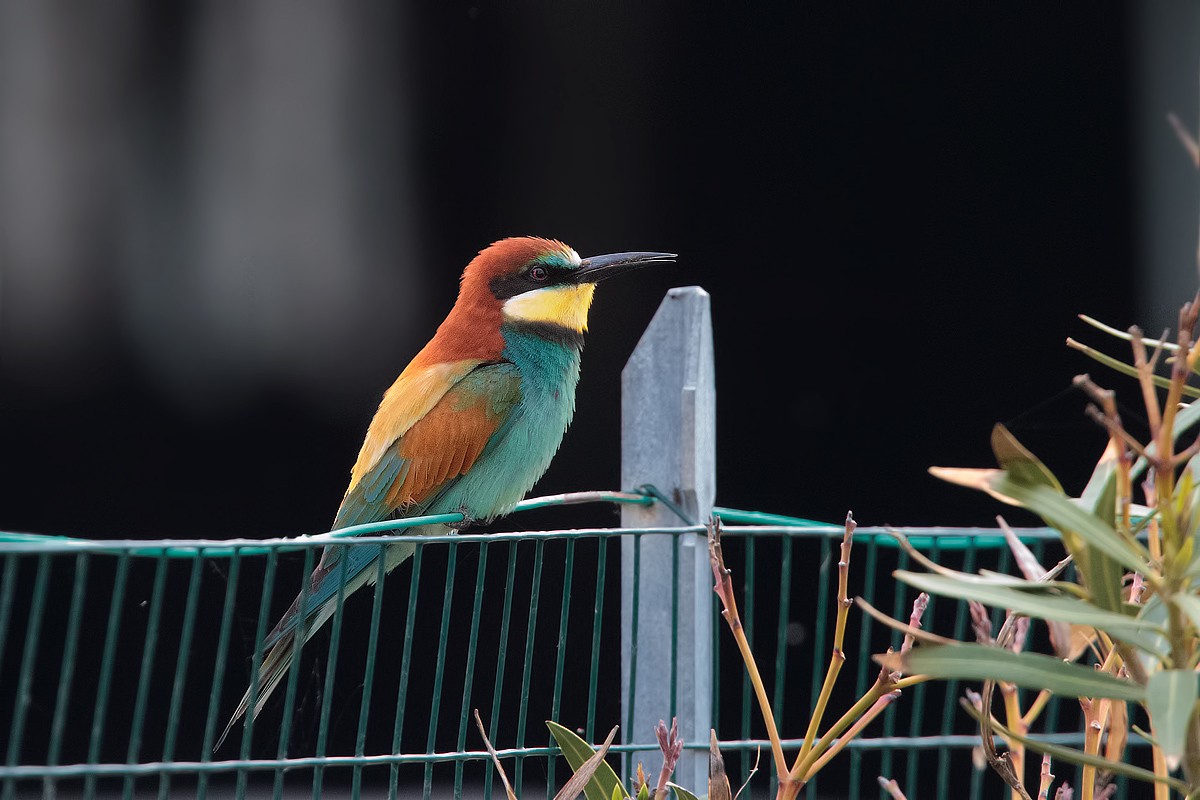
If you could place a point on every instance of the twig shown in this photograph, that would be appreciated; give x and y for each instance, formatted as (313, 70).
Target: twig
(1145, 369)
(1092, 729)
(914, 621)
(908, 630)
(508, 790)
(890, 786)
(672, 747)
(753, 771)
(837, 656)
(724, 589)
(875, 710)
(1047, 778)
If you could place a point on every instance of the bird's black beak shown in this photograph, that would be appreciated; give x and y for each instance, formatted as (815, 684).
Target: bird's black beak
(597, 268)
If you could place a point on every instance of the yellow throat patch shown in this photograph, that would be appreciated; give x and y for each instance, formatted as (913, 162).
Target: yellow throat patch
(565, 306)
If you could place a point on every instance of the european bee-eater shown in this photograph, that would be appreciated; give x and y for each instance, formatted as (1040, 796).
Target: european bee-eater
(471, 423)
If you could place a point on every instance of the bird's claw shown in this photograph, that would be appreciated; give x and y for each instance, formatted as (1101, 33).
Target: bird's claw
(465, 522)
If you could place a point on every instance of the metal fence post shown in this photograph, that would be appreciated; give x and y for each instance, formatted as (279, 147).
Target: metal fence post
(668, 439)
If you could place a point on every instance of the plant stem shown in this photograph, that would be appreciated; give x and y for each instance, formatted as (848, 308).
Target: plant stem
(875, 710)
(837, 657)
(724, 590)
(1016, 722)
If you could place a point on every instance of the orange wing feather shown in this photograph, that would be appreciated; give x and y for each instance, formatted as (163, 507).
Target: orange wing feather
(437, 448)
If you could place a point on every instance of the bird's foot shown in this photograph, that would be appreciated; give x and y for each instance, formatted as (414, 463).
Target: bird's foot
(467, 520)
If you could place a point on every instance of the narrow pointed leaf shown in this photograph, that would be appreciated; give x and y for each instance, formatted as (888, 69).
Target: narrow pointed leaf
(1030, 670)
(1074, 756)
(1041, 605)
(578, 752)
(1125, 369)
(681, 793)
(1104, 472)
(1018, 461)
(1170, 347)
(1060, 512)
(980, 479)
(1171, 699)
(1103, 574)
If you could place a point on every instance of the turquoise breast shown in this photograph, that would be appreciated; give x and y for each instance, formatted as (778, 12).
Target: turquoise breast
(547, 363)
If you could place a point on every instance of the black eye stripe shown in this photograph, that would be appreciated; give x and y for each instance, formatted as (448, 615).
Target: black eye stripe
(505, 286)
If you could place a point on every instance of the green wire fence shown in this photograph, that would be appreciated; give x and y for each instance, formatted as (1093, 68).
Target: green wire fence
(118, 658)
(120, 661)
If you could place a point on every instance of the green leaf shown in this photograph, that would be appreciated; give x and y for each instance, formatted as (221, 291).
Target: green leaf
(577, 751)
(618, 793)
(1171, 699)
(644, 792)
(1104, 576)
(1060, 512)
(1189, 604)
(1126, 369)
(1030, 670)
(1019, 462)
(1074, 756)
(1039, 605)
(682, 793)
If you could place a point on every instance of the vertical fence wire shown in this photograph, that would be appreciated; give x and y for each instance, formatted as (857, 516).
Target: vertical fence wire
(159, 622)
(950, 701)
(25, 681)
(405, 668)
(218, 677)
(182, 659)
(597, 626)
(67, 671)
(464, 713)
(260, 630)
(561, 653)
(293, 678)
(149, 648)
(502, 657)
(785, 603)
(631, 691)
(107, 664)
(527, 669)
(364, 712)
(440, 669)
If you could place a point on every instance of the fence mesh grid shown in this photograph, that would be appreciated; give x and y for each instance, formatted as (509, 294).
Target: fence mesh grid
(121, 661)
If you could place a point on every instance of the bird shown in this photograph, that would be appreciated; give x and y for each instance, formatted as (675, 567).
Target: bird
(469, 426)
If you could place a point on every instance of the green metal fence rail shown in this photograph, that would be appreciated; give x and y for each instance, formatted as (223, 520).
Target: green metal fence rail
(88, 607)
(121, 660)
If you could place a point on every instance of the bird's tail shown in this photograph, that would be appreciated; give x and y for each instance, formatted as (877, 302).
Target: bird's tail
(359, 570)
(274, 667)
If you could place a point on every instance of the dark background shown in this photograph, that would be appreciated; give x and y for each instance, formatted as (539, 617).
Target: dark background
(897, 213)
(226, 231)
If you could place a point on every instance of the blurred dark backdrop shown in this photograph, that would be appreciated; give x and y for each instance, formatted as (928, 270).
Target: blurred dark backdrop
(225, 228)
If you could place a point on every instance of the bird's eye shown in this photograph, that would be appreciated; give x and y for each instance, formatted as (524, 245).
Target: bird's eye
(539, 274)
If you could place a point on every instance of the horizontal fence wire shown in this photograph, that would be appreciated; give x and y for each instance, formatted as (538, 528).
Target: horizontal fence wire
(120, 661)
